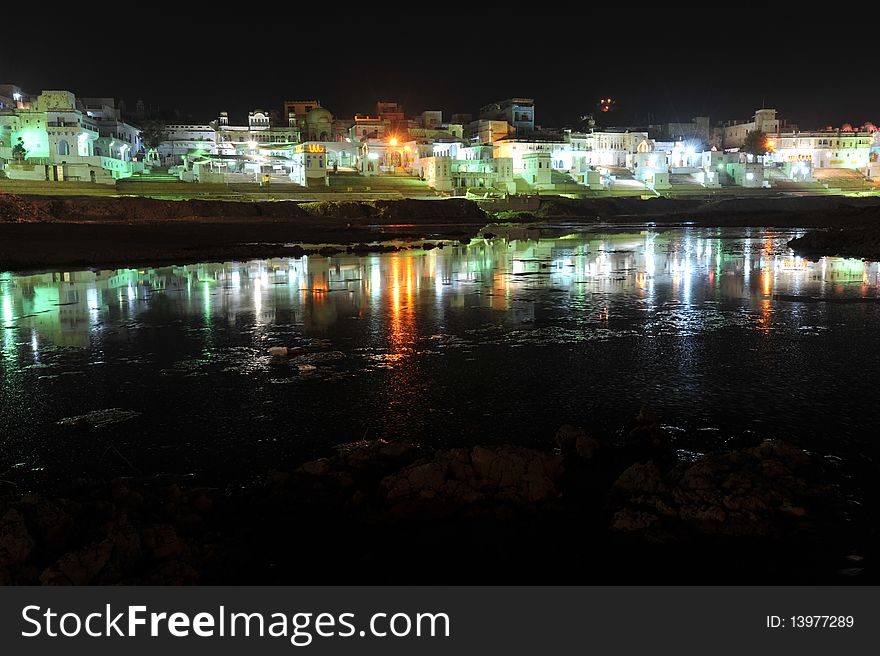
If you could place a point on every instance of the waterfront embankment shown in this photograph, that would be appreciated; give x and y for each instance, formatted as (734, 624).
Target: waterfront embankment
(40, 232)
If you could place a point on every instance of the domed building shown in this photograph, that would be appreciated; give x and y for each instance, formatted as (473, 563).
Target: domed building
(318, 125)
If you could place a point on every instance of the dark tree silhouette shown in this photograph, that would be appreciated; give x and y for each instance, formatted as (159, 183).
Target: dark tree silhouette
(755, 143)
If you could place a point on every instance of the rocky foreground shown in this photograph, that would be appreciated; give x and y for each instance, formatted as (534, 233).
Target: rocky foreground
(587, 510)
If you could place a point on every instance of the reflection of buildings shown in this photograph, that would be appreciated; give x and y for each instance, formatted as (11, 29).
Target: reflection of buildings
(499, 277)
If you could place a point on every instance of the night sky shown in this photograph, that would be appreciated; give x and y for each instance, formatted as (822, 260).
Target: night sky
(350, 61)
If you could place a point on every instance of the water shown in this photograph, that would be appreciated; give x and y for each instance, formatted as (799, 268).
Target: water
(723, 331)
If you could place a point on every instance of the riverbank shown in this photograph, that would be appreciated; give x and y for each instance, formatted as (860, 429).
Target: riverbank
(42, 232)
(586, 509)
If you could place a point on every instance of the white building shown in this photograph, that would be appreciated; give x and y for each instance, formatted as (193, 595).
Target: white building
(309, 165)
(733, 133)
(187, 139)
(59, 139)
(848, 149)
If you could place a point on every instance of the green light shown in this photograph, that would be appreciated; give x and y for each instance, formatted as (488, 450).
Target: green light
(7, 310)
(35, 140)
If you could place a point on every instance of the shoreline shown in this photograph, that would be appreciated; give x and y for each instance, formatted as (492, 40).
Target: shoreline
(38, 233)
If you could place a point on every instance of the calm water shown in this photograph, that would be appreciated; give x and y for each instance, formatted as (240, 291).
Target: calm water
(724, 331)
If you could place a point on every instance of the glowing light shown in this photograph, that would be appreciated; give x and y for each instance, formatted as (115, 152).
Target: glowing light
(393, 141)
(7, 310)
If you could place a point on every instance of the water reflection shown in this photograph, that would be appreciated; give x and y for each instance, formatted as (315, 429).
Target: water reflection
(602, 275)
(503, 338)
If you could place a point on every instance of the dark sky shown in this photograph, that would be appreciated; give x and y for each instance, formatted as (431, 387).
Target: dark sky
(453, 61)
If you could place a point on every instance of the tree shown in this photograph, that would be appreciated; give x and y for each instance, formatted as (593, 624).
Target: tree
(19, 152)
(755, 143)
(152, 134)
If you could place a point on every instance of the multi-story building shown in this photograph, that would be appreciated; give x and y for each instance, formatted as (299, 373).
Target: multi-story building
(843, 148)
(296, 110)
(517, 148)
(367, 127)
(733, 133)
(185, 139)
(431, 119)
(393, 115)
(518, 112)
(12, 96)
(59, 139)
(118, 138)
(488, 131)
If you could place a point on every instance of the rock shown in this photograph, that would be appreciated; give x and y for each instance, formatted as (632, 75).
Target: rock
(576, 441)
(172, 572)
(15, 209)
(647, 440)
(318, 467)
(79, 567)
(16, 543)
(51, 523)
(471, 481)
(161, 542)
(641, 477)
(772, 491)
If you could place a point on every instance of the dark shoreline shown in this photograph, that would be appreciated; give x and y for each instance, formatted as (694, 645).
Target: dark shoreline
(38, 233)
(584, 509)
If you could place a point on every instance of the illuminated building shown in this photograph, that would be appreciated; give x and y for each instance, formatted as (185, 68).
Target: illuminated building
(367, 127)
(296, 110)
(60, 138)
(309, 165)
(260, 129)
(517, 148)
(118, 139)
(536, 170)
(873, 171)
(185, 139)
(431, 119)
(519, 113)
(391, 113)
(13, 97)
(733, 133)
(842, 148)
(486, 131)
(650, 167)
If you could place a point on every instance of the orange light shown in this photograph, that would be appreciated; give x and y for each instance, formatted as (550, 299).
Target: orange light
(393, 141)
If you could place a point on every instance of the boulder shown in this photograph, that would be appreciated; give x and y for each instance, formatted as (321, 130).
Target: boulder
(472, 481)
(16, 543)
(773, 490)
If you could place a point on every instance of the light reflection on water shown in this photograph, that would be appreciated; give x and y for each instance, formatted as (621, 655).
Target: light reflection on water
(718, 327)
